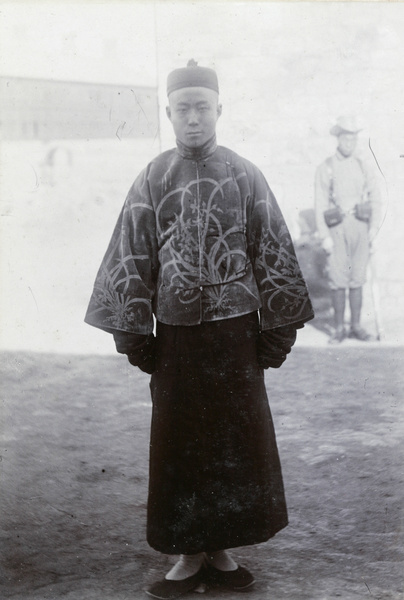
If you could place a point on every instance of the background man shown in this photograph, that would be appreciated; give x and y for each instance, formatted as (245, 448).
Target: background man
(347, 206)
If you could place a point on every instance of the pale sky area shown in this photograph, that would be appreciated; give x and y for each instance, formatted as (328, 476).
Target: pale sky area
(73, 41)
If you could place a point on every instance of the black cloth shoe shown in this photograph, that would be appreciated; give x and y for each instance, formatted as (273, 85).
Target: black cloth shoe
(237, 580)
(169, 589)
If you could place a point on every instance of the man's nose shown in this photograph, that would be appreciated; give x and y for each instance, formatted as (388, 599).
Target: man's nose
(193, 117)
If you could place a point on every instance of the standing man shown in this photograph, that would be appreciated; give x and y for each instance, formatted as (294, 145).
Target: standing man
(347, 205)
(202, 247)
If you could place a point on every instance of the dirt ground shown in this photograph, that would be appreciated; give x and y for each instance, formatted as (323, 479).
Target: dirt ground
(74, 462)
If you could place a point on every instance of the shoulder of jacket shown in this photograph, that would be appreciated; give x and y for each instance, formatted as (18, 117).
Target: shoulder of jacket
(227, 154)
(325, 168)
(238, 162)
(162, 158)
(157, 161)
(361, 163)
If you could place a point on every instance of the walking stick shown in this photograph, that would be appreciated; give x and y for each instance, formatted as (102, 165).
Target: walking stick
(375, 296)
(374, 288)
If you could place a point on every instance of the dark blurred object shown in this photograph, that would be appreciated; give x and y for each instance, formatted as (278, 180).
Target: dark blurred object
(363, 211)
(57, 165)
(333, 216)
(313, 262)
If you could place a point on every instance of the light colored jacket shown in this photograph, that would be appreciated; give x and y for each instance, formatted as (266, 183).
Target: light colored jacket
(351, 181)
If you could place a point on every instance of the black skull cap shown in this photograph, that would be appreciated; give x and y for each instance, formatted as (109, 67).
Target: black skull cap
(192, 76)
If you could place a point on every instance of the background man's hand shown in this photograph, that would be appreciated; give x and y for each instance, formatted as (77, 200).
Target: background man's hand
(327, 244)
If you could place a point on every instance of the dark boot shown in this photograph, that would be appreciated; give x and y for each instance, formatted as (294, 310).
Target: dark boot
(355, 303)
(338, 303)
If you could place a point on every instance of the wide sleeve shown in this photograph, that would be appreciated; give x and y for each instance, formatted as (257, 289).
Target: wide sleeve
(125, 284)
(283, 292)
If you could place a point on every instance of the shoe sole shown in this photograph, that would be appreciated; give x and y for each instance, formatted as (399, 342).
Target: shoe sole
(241, 589)
(173, 597)
(172, 594)
(215, 583)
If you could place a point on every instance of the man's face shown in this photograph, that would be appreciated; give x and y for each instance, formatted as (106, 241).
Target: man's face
(193, 113)
(347, 143)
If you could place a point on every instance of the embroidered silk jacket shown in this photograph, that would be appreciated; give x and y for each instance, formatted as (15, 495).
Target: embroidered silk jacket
(200, 238)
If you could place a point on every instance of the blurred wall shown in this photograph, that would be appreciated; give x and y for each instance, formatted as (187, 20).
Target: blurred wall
(46, 109)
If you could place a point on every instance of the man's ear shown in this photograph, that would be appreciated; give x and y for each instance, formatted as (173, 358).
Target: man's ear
(219, 110)
(168, 112)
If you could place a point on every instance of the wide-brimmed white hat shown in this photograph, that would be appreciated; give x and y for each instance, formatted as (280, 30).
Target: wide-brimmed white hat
(345, 124)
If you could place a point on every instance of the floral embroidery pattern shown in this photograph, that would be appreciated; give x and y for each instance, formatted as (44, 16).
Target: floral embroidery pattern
(112, 297)
(283, 289)
(201, 250)
(123, 310)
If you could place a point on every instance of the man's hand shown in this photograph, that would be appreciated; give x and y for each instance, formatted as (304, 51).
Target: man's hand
(327, 244)
(275, 344)
(140, 349)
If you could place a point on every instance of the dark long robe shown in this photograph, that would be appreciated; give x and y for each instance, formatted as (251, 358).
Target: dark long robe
(215, 474)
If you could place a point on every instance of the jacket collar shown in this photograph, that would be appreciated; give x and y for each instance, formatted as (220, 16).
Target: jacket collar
(199, 153)
(341, 157)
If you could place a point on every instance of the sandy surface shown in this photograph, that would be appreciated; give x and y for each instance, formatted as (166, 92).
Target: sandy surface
(74, 461)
